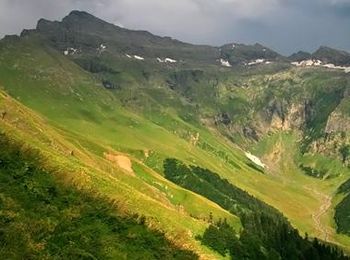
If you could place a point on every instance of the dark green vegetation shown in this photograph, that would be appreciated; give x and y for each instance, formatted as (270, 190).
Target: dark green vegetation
(41, 218)
(342, 213)
(312, 172)
(222, 238)
(266, 235)
(345, 152)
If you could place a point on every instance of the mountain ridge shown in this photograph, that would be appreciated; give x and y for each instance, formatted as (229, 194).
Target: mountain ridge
(337, 57)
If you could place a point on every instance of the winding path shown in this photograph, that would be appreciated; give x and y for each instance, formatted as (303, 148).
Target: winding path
(316, 217)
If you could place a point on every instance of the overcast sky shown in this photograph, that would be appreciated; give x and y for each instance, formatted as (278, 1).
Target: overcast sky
(284, 25)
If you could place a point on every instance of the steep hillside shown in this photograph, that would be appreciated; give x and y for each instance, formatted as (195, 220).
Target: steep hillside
(41, 218)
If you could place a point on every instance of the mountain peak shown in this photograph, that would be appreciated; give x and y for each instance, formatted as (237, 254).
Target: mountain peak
(79, 13)
(43, 22)
(76, 16)
(329, 49)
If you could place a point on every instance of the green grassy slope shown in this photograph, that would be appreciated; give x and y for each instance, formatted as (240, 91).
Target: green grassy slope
(40, 217)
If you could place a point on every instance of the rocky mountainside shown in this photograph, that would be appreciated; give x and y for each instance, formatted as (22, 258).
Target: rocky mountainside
(329, 55)
(81, 32)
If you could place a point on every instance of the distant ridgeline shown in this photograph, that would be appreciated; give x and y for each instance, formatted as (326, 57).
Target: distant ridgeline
(40, 218)
(267, 234)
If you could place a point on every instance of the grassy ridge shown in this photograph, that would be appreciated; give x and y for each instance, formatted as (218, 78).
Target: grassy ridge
(41, 218)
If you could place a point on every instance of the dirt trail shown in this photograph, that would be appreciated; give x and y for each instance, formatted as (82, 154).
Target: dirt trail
(316, 216)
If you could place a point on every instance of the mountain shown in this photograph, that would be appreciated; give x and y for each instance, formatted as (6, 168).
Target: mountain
(329, 55)
(82, 33)
(241, 53)
(300, 56)
(121, 144)
(325, 55)
(86, 33)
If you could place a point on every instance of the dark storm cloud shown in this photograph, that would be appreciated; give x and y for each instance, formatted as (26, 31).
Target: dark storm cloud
(285, 25)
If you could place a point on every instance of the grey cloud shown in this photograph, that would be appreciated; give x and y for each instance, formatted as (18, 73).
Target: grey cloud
(286, 25)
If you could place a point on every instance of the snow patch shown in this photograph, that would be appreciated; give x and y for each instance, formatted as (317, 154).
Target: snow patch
(317, 63)
(332, 66)
(255, 62)
(134, 57)
(166, 60)
(139, 57)
(101, 48)
(70, 51)
(255, 159)
(309, 63)
(170, 60)
(225, 63)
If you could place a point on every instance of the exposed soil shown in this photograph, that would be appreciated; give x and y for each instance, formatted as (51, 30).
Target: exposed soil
(122, 161)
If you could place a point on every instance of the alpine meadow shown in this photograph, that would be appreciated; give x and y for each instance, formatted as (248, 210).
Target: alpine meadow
(120, 144)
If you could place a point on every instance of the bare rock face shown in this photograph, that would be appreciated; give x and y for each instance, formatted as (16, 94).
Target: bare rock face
(331, 146)
(337, 122)
(275, 113)
(336, 136)
(283, 116)
(293, 118)
(250, 132)
(276, 116)
(223, 118)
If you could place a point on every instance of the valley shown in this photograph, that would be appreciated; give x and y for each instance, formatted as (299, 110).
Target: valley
(106, 107)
